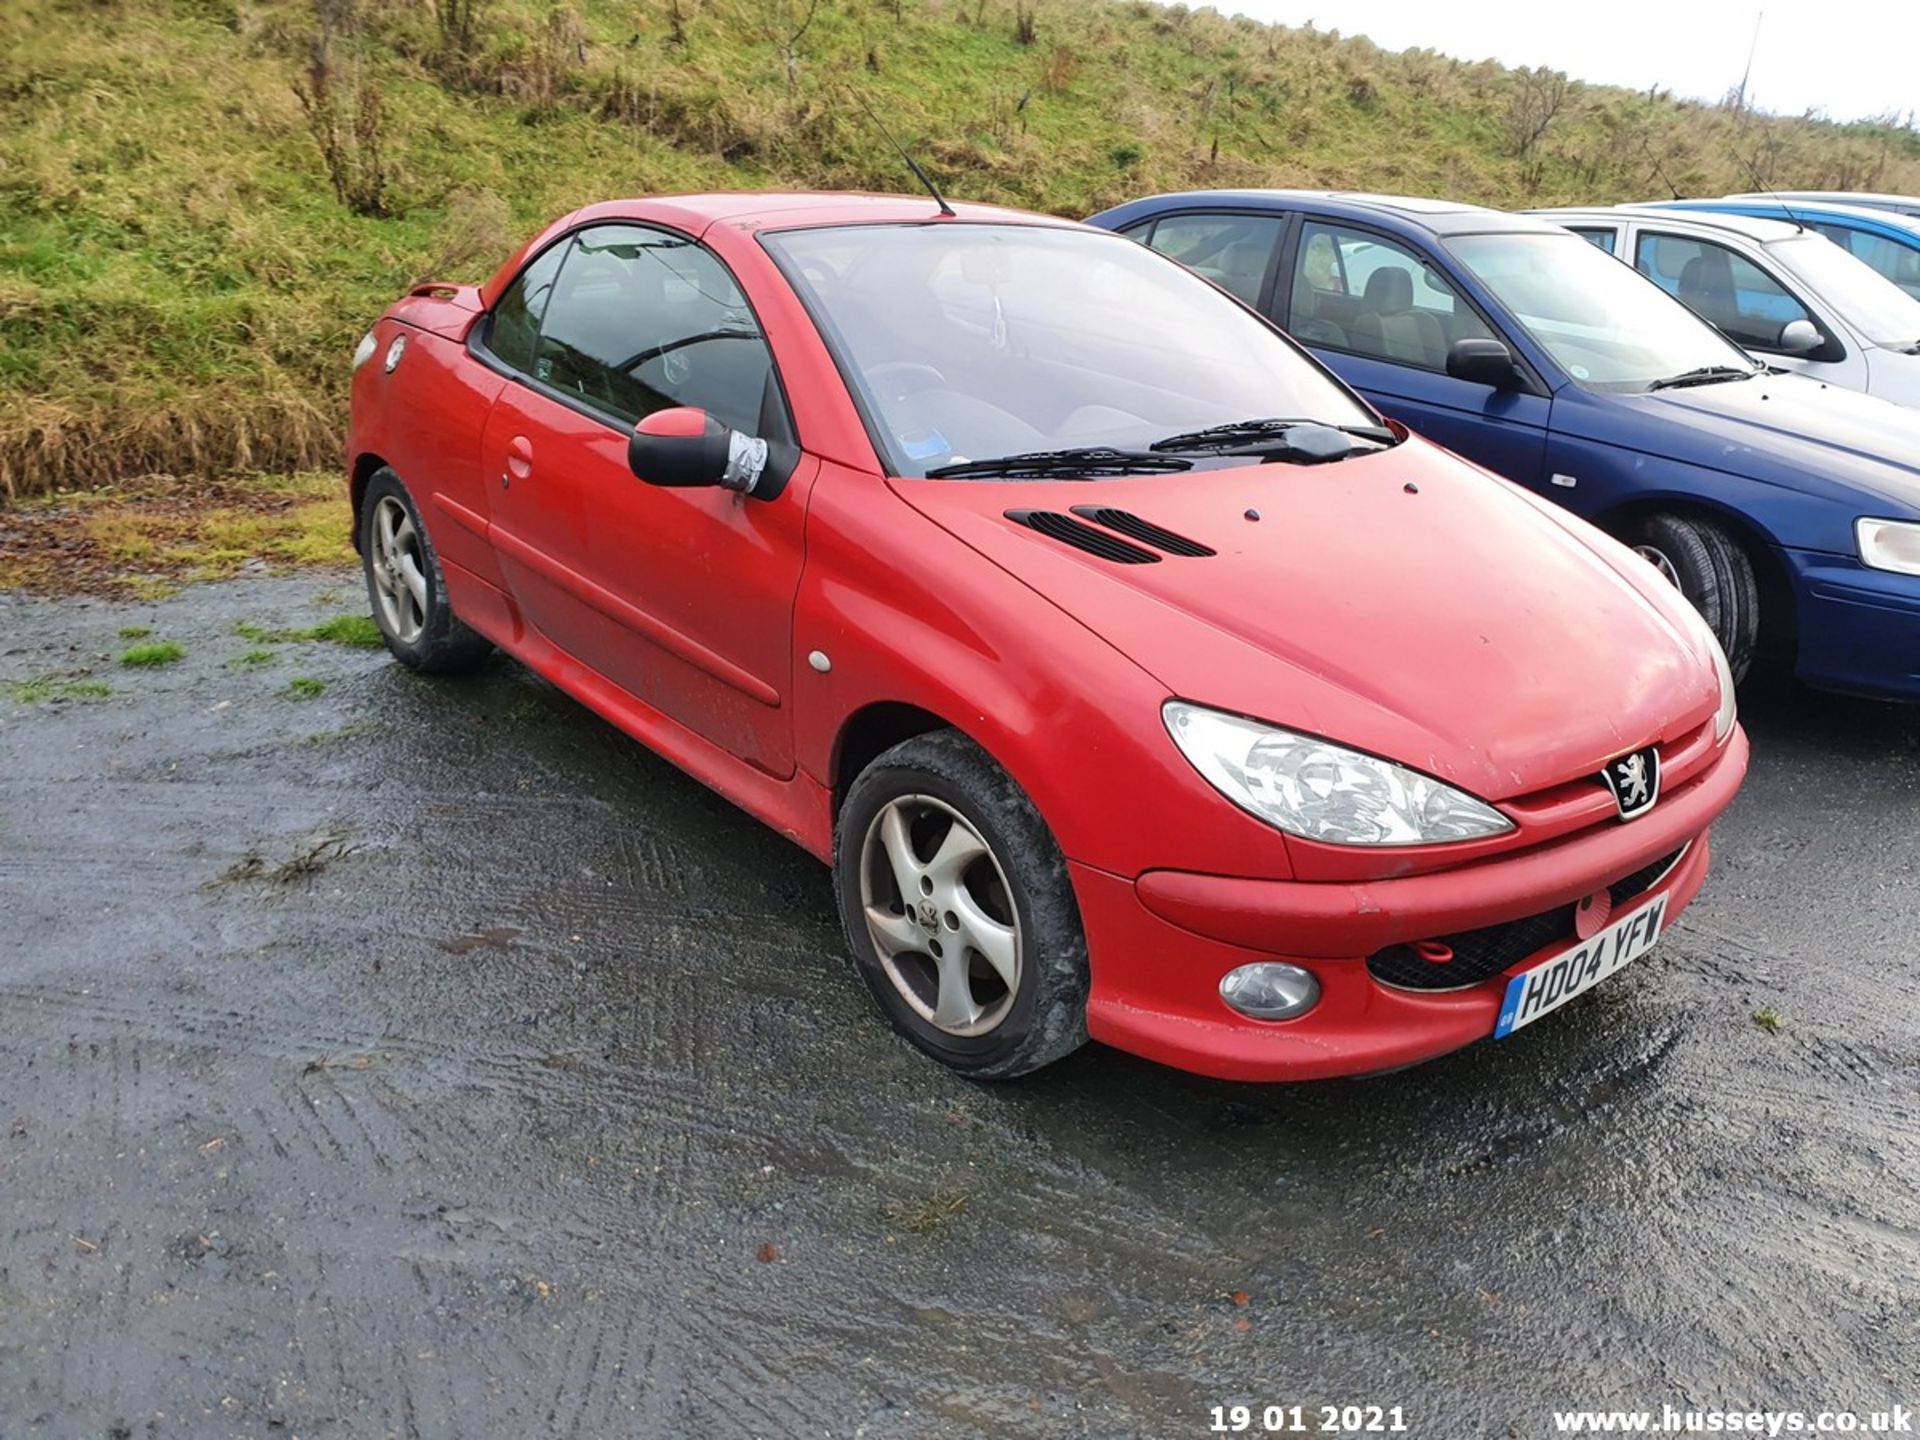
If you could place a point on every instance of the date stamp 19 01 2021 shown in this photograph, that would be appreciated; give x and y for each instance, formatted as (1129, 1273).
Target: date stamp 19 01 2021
(1307, 1419)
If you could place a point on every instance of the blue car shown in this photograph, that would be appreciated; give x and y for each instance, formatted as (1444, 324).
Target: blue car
(1788, 511)
(1884, 238)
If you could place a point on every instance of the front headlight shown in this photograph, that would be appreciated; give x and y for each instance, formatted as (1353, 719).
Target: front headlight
(1729, 710)
(363, 352)
(1320, 791)
(1889, 545)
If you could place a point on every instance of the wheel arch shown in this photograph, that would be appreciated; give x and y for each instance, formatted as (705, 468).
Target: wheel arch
(875, 728)
(1779, 613)
(365, 466)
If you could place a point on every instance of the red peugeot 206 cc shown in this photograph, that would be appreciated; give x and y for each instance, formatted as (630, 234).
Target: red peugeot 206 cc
(1135, 677)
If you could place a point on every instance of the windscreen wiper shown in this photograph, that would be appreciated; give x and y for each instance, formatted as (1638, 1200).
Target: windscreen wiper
(1062, 465)
(1241, 432)
(1705, 375)
(1299, 442)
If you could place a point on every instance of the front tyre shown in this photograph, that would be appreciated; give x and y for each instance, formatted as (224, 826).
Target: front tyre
(958, 908)
(1710, 568)
(405, 584)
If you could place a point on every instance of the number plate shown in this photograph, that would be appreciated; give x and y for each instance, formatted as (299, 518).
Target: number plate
(1554, 981)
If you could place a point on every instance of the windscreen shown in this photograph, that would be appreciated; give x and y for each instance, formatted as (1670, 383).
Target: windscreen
(968, 342)
(1607, 325)
(1871, 303)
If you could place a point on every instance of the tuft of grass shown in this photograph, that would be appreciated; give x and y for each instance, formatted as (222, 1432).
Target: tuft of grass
(358, 631)
(43, 688)
(253, 657)
(1769, 1019)
(304, 687)
(930, 1216)
(158, 652)
(134, 632)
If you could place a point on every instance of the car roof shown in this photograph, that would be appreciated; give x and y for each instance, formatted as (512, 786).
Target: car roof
(1758, 228)
(695, 214)
(1411, 212)
(1872, 199)
(792, 209)
(1864, 215)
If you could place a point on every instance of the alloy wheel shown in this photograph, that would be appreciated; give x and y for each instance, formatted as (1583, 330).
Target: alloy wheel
(1657, 558)
(399, 571)
(941, 915)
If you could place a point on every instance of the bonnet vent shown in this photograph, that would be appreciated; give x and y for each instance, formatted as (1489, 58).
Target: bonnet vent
(1145, 531)
(1069, 531)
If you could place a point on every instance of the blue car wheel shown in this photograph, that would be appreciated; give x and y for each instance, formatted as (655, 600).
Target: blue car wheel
(1709, 567)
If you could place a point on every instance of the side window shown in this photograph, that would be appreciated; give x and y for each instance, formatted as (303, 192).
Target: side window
(643, 320)
(1233, 251)
(1728, 291)
(514, 332)
(1899, 263)
(1602, 239)
(1359, 292)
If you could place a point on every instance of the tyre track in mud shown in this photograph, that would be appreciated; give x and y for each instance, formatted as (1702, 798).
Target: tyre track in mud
(483, 1124)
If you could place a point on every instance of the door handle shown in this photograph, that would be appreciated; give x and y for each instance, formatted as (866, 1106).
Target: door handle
(519, 460)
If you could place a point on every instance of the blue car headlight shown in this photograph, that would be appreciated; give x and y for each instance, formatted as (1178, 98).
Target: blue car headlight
(1321, 791)
(1889, 545)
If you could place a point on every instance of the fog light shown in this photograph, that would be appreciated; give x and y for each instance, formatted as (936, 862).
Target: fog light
(1270, 990)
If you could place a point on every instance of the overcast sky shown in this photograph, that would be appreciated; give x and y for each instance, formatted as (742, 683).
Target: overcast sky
(1851, 58)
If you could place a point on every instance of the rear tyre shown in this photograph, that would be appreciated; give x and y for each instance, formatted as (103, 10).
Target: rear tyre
(959, 911)
(1710, 568)
(405, 586)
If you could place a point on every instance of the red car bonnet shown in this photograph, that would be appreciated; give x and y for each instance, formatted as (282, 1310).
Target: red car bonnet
(1402, 603)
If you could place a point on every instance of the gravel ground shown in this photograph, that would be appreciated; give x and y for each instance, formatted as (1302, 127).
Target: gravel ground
(425, 1059)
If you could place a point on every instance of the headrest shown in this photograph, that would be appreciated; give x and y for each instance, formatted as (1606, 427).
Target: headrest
(1389, 291)
(1708, 271)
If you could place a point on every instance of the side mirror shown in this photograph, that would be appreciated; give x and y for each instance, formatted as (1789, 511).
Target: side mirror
(683, 447)
(1484, 362)
(1800, 337)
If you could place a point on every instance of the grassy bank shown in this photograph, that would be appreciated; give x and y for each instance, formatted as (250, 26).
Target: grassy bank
(203, 202)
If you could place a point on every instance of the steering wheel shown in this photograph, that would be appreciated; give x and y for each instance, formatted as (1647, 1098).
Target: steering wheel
(878, 373)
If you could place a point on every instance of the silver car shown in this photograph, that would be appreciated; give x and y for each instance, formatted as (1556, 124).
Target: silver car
(1782, 291)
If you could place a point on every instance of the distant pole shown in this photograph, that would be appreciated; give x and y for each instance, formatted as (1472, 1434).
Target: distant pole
(1747, 74)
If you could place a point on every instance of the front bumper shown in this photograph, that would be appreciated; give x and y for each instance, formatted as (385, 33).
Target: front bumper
(1859, 629)
(1160, 944)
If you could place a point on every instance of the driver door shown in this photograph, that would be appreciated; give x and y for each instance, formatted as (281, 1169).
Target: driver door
(1744, 301)
(1383, 318)
(681, 597)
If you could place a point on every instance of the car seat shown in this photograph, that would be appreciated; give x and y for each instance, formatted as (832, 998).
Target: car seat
(1389, 326)
(1706, 288)
(1240, 267)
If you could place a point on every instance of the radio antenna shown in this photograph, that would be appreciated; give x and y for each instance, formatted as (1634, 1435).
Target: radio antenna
(900, 150)
(1753, 172)
(1659, 173)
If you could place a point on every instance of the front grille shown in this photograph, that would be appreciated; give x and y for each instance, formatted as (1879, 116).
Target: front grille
(1479, 955)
